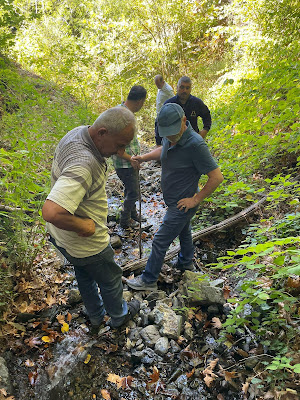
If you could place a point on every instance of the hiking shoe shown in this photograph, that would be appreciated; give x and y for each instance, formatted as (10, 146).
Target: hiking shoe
(180, 267)
(129, 224)
(138, 284)
(136, 217)
(133, 308)
(94, 329)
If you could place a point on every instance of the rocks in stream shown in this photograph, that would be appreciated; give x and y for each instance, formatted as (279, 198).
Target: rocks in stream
(199, 291)
(5, 382)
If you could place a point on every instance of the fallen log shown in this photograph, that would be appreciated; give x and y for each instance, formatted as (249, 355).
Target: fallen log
(139, 264)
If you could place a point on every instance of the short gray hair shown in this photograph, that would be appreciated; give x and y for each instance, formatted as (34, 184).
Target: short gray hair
(115, 119)
(185, 79)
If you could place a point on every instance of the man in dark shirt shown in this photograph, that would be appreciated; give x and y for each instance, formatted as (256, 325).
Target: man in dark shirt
(184, 157)
(193, 106)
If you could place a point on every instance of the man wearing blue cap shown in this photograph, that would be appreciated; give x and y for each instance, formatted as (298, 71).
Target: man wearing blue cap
(184, 157)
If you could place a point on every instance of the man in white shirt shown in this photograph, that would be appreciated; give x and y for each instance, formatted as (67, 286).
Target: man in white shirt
(164, 93)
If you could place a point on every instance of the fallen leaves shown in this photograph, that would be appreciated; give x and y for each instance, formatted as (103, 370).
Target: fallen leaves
(124, 383)
(216, 323)
(3, 392)
(111, 348)
(209, 375)
(105, 394)
(155, 383)
(87, 359)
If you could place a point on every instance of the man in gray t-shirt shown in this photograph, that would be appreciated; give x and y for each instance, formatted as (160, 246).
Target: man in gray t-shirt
(76, 213)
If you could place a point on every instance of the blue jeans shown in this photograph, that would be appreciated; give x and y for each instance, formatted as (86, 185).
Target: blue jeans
(158, 139)
(130, 179)
(175, 223)
(99, 271)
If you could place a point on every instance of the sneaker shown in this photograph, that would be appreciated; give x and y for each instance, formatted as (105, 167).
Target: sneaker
(138, 284)
(180, 267)
(133, 308)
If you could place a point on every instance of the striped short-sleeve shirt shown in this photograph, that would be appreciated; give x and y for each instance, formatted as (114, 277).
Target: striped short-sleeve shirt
(78, 179)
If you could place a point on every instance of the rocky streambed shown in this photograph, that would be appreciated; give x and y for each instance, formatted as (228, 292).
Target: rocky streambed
(171, 350)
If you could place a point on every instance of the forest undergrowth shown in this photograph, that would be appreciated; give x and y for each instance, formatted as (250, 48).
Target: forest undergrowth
(244, 62)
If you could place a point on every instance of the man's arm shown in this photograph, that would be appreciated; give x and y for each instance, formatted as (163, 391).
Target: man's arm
(203, 133)
(204, 113)
(128, 157)
(61, 218)
(152, 155)
(215, 177)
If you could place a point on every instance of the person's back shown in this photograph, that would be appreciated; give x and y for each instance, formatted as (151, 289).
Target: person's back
(164, 92)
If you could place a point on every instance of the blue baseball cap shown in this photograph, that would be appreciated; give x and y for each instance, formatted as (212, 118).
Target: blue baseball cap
(169, 119)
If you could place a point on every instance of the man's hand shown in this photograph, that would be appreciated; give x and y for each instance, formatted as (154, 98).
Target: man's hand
(187, 203)
(135, 163)
(203, 133)
(215, 177)
(137, 159)
(87, 227)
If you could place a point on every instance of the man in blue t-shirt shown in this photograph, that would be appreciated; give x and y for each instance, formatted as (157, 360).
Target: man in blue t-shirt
(184, 157)
(192, 106)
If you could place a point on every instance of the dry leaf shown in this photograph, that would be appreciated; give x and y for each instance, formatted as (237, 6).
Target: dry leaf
(60, 318)
(125, 382)
(293, 282)
(50, 300)
(32, 376)
(242, 353)
(33, 342)
(229, 375)
(200, 316)
(212, 364)
(226, 292)
(87, 359)
(65, 328)
(208, 379)
(189, 374)
(191, 314)
(220, 397)
(245, 387)
(154, 377)
(216, 323)
(105, 394)
(29, 363)
(69, 317)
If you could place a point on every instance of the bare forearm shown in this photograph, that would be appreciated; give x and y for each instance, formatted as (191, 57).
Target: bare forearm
(62, 219)
(152, 155)
(203, 133)
(210, 186)
(215, 177)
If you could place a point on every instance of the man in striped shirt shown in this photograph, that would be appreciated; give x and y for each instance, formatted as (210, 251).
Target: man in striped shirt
(127, 168)
(76, 212)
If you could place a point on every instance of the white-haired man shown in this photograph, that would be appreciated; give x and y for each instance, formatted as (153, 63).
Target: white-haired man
(76, 212)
